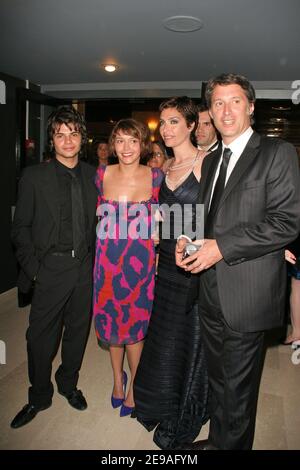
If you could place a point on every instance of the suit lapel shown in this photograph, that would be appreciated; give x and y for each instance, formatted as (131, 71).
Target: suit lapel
(208, 178)
(242, 164)
(49, 186)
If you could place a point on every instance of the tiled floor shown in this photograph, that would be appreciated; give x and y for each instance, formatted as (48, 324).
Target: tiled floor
(100, 427)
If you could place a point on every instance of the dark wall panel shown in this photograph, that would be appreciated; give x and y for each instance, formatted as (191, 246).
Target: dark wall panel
(8, 269)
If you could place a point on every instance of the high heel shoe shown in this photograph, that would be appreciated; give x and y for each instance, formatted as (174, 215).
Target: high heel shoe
(289, 343)
(116, 402)
(126, 410)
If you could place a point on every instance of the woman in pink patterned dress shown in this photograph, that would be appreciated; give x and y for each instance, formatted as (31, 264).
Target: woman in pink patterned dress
(125, 257)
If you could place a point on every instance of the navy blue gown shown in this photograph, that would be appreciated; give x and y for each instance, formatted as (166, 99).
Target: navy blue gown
(171, 384)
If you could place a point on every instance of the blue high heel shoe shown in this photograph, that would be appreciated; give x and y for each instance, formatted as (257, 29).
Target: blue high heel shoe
(126, 410)
(116, 402)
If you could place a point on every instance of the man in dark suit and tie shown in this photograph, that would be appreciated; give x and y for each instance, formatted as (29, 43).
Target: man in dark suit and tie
(54, 235)
(206, 133)
(250, 189)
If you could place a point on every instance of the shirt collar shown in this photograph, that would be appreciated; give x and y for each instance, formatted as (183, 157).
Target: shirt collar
(238, 145)
(63, 169)
(209, 148)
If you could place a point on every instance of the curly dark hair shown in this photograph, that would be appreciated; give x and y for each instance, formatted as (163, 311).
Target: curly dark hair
(66, 115)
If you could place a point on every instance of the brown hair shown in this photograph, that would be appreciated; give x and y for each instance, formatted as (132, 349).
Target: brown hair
(229, 79)
(135, 128)
(161, 146)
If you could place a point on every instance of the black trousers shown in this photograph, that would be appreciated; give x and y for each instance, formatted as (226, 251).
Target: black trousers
(60, 310)
(234, 362)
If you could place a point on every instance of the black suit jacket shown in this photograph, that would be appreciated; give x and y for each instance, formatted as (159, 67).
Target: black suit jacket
(35, 228)
(258, 215)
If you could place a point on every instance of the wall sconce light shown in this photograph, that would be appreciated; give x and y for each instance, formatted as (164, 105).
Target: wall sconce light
(152, 124)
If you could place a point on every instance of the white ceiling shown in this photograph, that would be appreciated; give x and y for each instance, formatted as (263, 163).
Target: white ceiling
(60, 44)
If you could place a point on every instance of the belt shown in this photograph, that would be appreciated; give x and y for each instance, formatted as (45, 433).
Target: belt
(63, 253)
(67, 253)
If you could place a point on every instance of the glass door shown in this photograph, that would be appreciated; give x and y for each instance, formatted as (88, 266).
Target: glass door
(33, 111)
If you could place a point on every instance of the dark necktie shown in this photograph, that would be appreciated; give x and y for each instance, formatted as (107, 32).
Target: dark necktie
(218, 191)
(78, 220)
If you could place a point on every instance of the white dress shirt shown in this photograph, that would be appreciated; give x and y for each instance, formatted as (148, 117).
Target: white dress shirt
(237, 147)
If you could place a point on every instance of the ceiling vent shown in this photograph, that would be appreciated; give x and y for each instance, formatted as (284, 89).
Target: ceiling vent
(183, 24)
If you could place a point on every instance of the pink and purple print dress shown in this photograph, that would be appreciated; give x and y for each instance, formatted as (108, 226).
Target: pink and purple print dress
(124, 266)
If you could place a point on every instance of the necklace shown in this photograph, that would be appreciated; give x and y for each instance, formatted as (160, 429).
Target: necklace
(184, 164)
(173, 184)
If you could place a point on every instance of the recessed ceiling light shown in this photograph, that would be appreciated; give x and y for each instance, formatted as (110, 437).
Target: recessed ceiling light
(183, 24)
(110, 67)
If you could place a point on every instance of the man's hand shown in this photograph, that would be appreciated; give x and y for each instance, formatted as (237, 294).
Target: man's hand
(208, 255)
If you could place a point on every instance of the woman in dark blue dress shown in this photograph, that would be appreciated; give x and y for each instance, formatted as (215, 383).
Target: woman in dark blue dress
(171, 386)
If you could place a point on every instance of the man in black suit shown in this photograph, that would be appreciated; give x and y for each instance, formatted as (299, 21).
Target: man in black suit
(54, 235)
(206, 133)
(252, 211)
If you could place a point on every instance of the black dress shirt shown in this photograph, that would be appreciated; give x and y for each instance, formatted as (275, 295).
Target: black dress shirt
(65, 238)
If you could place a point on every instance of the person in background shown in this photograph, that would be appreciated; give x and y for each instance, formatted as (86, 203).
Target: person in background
(102, 155)
(293, 257)
(102, 152)
(125, 257)
(171, 385)
(159, 156)
(250, 189)
(54, 235)
(206, 133)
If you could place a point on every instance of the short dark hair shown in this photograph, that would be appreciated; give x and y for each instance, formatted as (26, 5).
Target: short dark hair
(161, 146)
(137, 129)
(66, 115)
(187, 108)
(202, 107)
(229, 79)
(101, 141)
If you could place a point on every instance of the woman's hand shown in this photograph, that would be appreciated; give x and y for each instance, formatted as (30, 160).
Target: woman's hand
(155, 238)
(290, 257)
